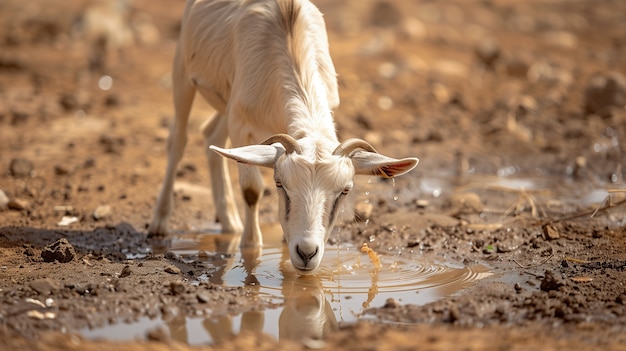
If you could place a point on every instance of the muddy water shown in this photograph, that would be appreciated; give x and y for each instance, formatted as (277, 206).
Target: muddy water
(347, 284)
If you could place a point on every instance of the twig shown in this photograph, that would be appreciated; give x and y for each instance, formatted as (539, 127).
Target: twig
(534, 265)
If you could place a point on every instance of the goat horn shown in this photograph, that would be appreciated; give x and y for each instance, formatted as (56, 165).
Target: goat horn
(347, 146)
(289, 143)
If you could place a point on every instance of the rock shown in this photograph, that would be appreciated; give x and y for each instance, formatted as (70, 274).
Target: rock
(21, 167)
(18, 204)
(464, 203)
(605, 91)
(4, 200)
(75, 101)
(125, 272)
(550, 282)
(562, 39)
(67, 220)
(45, 286)
(158, 334)
(102, 212)
(488, 53)
(172, 270)
(61, 250)
(550, 233)
(203, 297)
(177, 288)
(518, 66)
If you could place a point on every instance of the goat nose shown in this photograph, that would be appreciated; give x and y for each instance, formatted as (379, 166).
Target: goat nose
(307, 253)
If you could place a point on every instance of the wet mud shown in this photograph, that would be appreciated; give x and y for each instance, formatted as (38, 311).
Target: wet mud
(510, 233)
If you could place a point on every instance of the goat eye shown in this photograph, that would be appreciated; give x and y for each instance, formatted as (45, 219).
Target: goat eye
(279, 184)
(345, 191)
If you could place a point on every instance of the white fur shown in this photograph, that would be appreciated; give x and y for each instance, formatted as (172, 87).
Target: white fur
(265, 67)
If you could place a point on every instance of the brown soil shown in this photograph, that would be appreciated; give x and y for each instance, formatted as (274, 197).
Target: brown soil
(480, 91)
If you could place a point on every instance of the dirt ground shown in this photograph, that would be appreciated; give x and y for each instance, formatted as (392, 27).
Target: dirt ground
(516, 110)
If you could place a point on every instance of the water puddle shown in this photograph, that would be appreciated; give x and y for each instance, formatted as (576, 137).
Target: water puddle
(346, 284)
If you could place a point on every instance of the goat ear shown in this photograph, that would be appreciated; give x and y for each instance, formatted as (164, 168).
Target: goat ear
(371, 163)
(255, 155)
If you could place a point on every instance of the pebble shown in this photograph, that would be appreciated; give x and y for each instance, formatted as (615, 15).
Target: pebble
(464, 203)
(177, 288)
(18, 204)
(488, 52)
(172, 270)
(102, 212)
(67, 220)
(45, 286)
(61, 251)
(21, 167)
(125, 272)
(35, 314)
(4, 200)
(203, 297)
(550, 282)
(605, 91)
(159, 334)
(550, 233)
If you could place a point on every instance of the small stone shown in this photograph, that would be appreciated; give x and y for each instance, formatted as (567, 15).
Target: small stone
(487, 52)
(45, 286)
(159, 334)
(125, 272)
(172, 270)
(102, 212)
(550, 233)
(517, 287)
(61, 251)
(605, 91)
(177, 288)
(61, 170)
(21, 167)
(391, 303)
(454, 314)
(464, 203)
(18, 204)
(67, 220)
(550, 282)
(35, 314)
(203, 297)
(4, 200)
(421, 203)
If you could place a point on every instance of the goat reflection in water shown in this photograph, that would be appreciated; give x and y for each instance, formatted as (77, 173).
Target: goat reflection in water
(306, 312)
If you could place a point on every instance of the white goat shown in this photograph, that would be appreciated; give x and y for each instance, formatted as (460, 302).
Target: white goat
(265, 67)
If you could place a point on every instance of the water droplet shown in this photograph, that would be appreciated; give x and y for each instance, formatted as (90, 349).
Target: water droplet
(395, 197)
(393, 182)
(105, 82)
